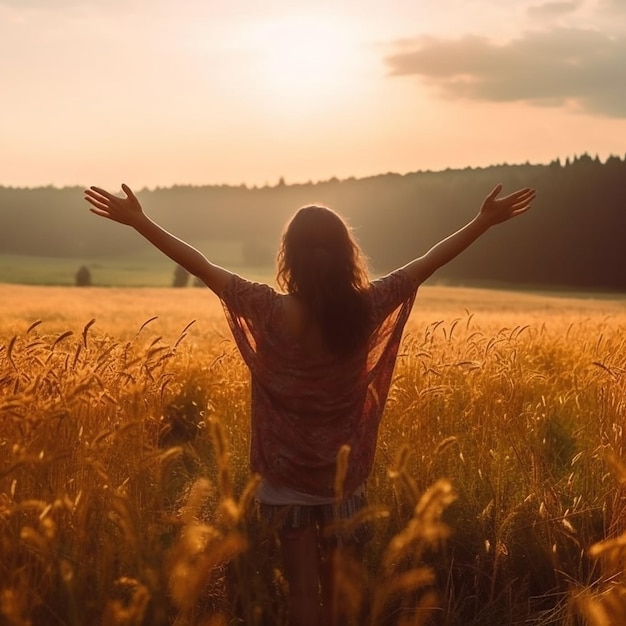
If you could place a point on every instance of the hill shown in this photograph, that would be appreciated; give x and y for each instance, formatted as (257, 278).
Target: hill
(573, 236)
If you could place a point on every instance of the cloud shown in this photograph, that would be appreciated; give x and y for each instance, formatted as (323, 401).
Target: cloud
(612, 6)
(55, 6)
(47, 5)
(583, 68)
(551, 10)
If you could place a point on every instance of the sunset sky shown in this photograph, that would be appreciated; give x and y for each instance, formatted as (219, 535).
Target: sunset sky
(162, 92)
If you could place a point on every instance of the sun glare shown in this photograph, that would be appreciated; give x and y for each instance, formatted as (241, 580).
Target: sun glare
(303, 59)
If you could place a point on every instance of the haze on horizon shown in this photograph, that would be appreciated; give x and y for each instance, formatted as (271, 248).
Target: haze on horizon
(195, 92)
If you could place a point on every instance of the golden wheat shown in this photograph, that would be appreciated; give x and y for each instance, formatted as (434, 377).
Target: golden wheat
(125, 495)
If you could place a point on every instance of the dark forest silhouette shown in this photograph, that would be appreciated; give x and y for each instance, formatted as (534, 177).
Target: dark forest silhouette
(574, 236)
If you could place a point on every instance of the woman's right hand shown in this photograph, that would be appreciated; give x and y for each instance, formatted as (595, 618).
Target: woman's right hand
(123, 210)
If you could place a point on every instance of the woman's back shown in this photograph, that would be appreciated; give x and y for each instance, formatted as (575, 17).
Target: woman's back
(307, 400)
(301, 324)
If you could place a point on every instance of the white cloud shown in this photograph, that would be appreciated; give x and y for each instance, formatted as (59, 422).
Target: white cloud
(580, 68)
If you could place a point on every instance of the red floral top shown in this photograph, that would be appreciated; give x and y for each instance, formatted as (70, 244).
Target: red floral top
(305, 408)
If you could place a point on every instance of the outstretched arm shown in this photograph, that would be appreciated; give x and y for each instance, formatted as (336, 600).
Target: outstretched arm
(128, 211)
(493, 211)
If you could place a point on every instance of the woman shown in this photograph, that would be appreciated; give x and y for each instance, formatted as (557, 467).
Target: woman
(321, 356)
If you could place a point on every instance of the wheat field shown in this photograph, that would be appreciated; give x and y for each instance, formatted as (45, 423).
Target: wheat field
(125, 498)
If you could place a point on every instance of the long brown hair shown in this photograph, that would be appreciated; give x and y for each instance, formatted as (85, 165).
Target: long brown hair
(320, 263)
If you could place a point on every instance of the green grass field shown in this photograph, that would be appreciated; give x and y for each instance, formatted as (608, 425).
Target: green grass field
(148, 268)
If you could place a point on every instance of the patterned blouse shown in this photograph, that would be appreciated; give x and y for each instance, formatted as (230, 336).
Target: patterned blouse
(304, 408)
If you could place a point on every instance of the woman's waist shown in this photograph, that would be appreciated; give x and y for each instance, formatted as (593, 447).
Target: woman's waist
(268, 493)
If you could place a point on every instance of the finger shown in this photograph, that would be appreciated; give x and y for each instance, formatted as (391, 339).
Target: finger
(96, 196)
(525, 193)
(100, 213)
(520, 193)
(519, 197)
(128, 191)
(104, 192)
(98, 204)
(525, 199)
(495, 191)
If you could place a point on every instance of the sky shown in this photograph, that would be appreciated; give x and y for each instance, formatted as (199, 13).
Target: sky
(163, 92)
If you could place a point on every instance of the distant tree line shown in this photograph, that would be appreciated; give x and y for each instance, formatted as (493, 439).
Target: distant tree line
(575, 235)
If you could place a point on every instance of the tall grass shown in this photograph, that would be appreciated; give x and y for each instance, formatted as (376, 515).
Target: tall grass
(496, 498)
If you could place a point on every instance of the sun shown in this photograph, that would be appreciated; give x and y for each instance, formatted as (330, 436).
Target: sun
(303, 59)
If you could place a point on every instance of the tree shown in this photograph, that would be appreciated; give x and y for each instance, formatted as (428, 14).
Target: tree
(181, 277)
(83, 277)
